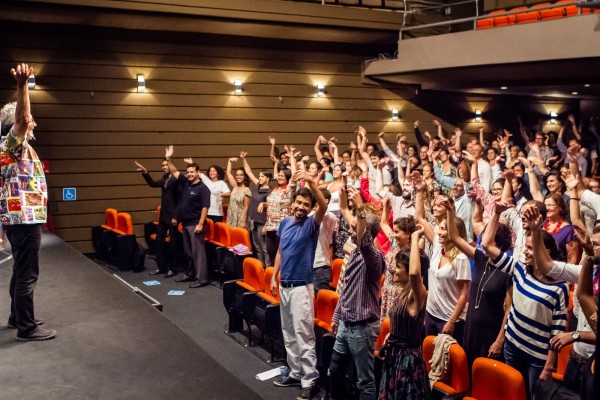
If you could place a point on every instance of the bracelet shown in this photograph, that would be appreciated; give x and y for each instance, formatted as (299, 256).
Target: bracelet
(588, 257)
(273, 280)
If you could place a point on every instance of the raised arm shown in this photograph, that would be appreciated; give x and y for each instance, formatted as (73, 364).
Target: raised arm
(534, 184)
(418, 290)
(453, 234)
(23, 118)
(385, 222)
(344, 209)
(422, 142)
(541, 258)
(488, 241)
(316, 192)
(361, 215)
(229, 174)
(523, 132)
(440, 131)
(420, 187)
(481, 139)
(247, 168)
(320, 140)
(574, 126)
(336, 154)
(585, 291)
(477, 217)
(272, 154)
(363, 145)
(172, 168)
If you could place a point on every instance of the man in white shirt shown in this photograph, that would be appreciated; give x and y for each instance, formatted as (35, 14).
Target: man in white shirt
(483, 167)
(324, 250)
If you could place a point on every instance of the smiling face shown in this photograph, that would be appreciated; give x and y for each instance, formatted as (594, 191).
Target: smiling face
(165, 166)
(192, 174)
(262, 179)
(553, 209)
(213, 174)
(400, 274)
(402, 238)
(313, 169)
(459, 188)
(553, 184)
(439, 211)
(281, 179)
(407, 190)
(442, 232)
(427, 171)
(301, 207)
(337, 172)
(497, 191)
(528, 251)
(239, 177)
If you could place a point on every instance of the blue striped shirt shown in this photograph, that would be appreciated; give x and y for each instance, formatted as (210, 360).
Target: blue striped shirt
(538, 311)
(360, 298)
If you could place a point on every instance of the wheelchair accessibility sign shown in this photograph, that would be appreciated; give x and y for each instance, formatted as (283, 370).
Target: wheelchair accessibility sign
(69, 194)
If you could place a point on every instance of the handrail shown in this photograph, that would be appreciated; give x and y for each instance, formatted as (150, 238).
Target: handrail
(477, 18)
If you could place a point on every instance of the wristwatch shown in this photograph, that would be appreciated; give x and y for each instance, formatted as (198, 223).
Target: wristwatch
(575, 336)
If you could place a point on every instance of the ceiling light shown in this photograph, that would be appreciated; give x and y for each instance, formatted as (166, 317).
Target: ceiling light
(503, 87)
(574, 93)
(587, 85)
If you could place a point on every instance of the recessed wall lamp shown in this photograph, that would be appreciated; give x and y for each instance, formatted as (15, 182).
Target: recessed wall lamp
(503, 87)
(239, 88)
(574, 93)
(320, 90)
(31, 82)
(141, 81)
(395, 114)
(478, 115)
(553, 117)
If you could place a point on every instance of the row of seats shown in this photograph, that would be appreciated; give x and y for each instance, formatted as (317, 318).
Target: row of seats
(530, 14)
(115, 242)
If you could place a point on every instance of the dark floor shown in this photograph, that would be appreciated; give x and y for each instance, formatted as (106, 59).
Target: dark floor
(112, 344)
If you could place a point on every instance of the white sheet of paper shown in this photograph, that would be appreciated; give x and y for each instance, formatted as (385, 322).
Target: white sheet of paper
(270, 374)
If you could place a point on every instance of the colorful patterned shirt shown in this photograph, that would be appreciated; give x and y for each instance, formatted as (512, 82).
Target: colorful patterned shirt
(278, 206)
(23, 187)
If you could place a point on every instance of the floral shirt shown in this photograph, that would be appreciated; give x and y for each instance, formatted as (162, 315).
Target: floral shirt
(278, 206)
(23, 188)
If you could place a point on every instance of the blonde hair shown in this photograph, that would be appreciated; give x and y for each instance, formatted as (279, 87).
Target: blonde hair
(462, 232)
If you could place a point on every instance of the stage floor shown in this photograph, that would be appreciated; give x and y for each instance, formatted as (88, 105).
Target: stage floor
(112, 344)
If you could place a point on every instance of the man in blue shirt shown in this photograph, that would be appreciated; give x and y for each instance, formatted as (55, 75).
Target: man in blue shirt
(298, 240)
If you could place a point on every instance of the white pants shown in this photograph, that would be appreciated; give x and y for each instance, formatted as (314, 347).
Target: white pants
(297, 324)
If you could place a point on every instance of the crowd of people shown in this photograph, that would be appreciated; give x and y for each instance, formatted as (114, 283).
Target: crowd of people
(479, 241)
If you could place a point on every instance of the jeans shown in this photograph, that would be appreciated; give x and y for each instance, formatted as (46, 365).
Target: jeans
(321, 278)
(354, 343)
(162, 255)
(25, 241)
(529, 366)
(434, 326)
(272, 243)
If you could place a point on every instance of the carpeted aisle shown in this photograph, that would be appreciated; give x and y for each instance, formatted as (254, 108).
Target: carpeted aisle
(111, 344)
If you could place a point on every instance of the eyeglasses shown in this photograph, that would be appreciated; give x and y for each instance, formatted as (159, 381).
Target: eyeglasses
(594, 187)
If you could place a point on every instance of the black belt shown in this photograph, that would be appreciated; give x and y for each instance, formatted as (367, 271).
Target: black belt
(322, 266)
(579, 358)
(292, 284)
(361, 322)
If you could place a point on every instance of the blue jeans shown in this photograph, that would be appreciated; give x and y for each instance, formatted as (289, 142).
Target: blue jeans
(321, 278)
(529, 366)
(354, 343)
(434, 326)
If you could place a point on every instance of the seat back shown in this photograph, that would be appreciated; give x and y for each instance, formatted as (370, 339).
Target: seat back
(526, 15)
(223, 234)
(553, 13)
(110, 219)
(254, 274)
(325, 307)
(209, 229)
(124, 224)
(503, 20)
(336, 269)
(563, 359)
(494, 380)
(241, 236)
(383, 331)
(457, 376)
(158, 213)
(267, 294)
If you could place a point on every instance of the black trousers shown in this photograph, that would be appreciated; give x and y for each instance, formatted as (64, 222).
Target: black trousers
(164, 260)
(25, 241)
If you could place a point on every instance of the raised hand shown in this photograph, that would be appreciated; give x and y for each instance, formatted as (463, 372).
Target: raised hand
(533, 217)
(457, 131)
(468, 156)
(169, 151)
(272, 140)
(354, 195)
(21, 73)
(436, 122)
(509, 174)
(352, 146)
(525, 162)
(188, 160)
(233, 159)
(243, 154)
(417, 181)
(140, 167)
(362, 132)
(381, 135)
(570, 180)
(417, 123)
(362, 165)
(418, 233)
(584, 239)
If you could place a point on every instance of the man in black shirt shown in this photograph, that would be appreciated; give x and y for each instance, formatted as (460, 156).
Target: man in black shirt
(191, 212)
(168, 204)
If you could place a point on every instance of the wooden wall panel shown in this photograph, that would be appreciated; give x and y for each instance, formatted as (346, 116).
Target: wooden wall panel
(92, 124)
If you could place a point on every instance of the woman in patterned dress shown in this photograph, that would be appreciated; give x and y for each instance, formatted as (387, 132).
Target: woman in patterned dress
(239, 200)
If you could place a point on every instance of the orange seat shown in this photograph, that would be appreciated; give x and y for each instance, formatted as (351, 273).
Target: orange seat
(110, 219)
(563, 359)
(241, 236)
(222, 235)
(381, 281)
(553, 13)
(383, 332)
(494, 380)
(526, 15)
(503, 20)
(209, 229)
(325, 305)
(254, 275)
(336, 270)
(456, 379)
(493, 21)
(124, 224)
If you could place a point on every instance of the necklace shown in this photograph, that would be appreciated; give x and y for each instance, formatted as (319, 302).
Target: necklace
(556, 227)
(479, 293)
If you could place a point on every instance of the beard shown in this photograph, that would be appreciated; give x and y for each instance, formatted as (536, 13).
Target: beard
(406, 195)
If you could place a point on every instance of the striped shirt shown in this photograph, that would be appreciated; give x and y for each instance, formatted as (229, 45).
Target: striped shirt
(538, 311)
(360, 299)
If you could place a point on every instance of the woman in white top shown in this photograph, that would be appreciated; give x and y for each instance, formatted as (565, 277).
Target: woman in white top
(334, 189)
(449, 276)
(218, 189)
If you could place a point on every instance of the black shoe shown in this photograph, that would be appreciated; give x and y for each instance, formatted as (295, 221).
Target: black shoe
(11, 325)
(38, 335)
(184, 279)
(308, 393)
(287, 381)
(170, 274)
(198, 284)
(157, 272)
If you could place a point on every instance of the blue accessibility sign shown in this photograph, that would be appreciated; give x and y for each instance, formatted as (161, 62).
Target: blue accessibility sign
(69, 194)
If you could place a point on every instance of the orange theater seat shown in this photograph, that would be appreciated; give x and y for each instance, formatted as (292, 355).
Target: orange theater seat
(98, 233)
(525, 16)
(563, 359)
(124, 224)
(553, 13)
(110, 216)
(383, 331)
(336, 270)
(503, 20)
(456, 379)
(234, 292)
(325, 307)
(485, 23)
(494, 380)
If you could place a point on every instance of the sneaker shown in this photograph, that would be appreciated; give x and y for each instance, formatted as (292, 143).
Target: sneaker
(307, 393)
(38, 335)
(11, 325)
(287, 381)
